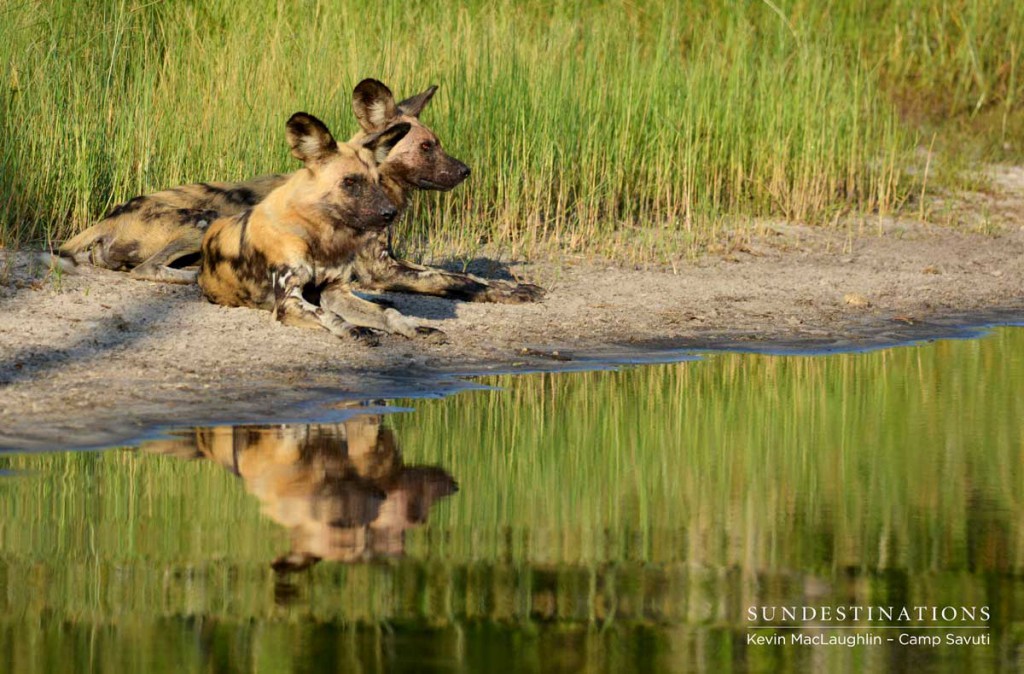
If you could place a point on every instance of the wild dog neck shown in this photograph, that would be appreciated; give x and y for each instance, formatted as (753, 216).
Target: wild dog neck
(396, 189)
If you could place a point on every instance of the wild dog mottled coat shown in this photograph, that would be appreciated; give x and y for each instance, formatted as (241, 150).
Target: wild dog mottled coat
(147, 234)
(342, 490)
(294, 252)
(417, 163)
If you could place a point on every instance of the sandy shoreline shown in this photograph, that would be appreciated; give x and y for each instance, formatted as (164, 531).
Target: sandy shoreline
(102, 358)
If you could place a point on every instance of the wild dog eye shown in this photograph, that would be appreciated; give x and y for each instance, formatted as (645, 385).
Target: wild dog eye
(349, 181)
(427, 145)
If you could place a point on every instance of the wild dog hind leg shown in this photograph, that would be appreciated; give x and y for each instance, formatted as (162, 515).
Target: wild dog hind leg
(157, 267)
(188, 225)
(338, 298)
(377, 269)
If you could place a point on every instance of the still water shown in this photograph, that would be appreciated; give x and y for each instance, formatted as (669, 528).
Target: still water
(646, 519)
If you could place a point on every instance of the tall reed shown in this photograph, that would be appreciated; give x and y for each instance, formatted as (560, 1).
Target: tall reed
(629, 129)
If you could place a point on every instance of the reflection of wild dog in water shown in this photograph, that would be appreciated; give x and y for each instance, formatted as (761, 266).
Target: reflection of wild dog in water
(341, 490)
(295, 251)
(147, 234)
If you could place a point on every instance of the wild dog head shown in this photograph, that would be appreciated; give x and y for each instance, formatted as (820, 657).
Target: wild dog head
(418, 161)
(340, 185)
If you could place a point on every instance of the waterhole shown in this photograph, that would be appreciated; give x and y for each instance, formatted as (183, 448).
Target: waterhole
(660, 518)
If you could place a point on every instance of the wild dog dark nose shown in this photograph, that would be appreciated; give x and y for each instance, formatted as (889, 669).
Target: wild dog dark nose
(389, 214)
(464, 172)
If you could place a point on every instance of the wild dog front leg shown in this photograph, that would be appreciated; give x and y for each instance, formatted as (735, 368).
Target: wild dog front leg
(291, 308)
(378, 270)
(338, 298)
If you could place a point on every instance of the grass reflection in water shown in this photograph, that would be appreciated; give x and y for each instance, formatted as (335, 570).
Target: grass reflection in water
(603, 521)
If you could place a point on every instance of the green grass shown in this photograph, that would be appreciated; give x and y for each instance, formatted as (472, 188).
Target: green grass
(634, 130)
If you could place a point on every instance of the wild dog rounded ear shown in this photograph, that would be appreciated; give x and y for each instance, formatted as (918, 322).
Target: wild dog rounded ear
(374, 105)
(380, 143)
(414, 105)
(309, 138)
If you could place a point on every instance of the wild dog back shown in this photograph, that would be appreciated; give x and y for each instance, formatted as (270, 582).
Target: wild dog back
(133, 232)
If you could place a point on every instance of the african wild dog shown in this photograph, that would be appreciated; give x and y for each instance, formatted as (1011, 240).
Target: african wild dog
(149, 233)
(300, 242)
(417, 163)
(145, 235)
(342, 490)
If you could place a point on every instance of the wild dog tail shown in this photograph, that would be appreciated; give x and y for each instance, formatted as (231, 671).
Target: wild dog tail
(74, 256)
(67, 264)
(77, 254)
(80, 243)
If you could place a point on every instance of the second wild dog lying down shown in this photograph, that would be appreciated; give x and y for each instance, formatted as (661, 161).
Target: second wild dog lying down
(299, 244)
(147, 235)
(418, 162)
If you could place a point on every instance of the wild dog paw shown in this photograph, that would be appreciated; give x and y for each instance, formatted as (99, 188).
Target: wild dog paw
(400, 324)
(164, 274)
(361, 335)
(504, 292)
(346, 330)
(431, 335)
